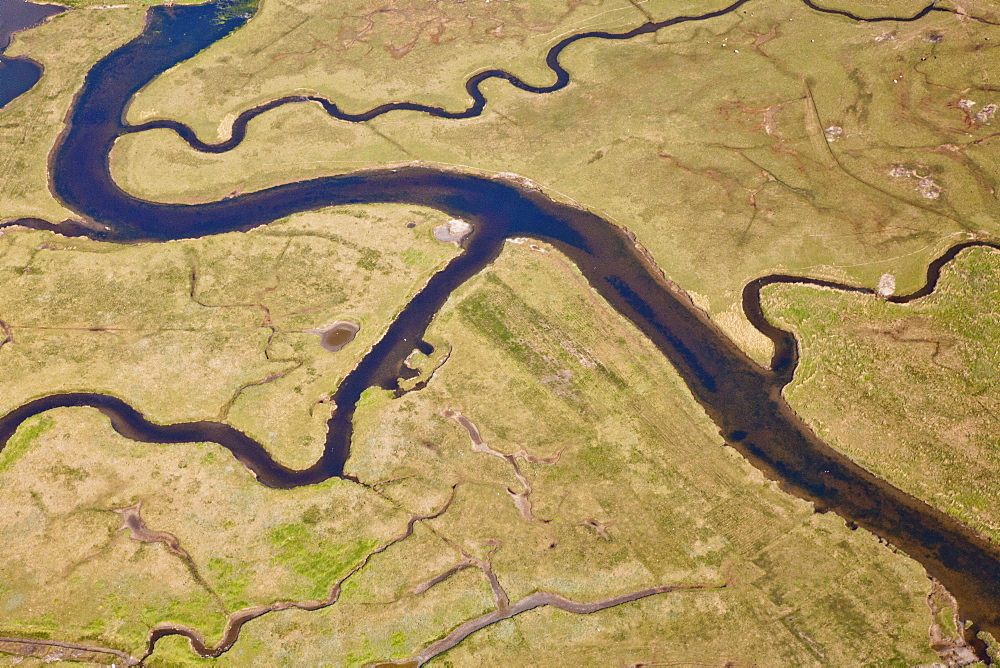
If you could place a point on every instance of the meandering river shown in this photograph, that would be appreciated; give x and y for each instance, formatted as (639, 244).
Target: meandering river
(744, 399)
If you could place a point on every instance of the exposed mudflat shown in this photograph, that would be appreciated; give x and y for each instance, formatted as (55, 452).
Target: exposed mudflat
(453, 232)
(335, 336)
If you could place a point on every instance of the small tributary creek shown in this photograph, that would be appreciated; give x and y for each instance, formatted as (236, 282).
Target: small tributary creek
(744, 399)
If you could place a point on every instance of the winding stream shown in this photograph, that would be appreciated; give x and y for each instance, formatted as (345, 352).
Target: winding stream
(744, 399)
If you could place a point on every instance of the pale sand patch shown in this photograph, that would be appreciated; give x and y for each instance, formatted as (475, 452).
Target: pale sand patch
(735, 325)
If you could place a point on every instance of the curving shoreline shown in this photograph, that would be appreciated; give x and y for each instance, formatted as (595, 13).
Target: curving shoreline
(785, 358)
(744, 399)
(473, 87)
(18, 75)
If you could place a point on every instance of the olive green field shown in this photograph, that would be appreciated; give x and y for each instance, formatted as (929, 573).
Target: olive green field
(782, 162)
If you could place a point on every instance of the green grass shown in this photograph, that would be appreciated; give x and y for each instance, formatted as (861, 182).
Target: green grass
(30, 124)
(639, 456)
(643, 459)
(320, 561)
(723, 177)
(232, 581)
(23, 439)
(99, 4)
(140, 333)
(363, 55)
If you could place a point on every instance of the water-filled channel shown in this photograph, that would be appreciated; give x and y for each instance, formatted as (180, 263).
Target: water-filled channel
(743, 399)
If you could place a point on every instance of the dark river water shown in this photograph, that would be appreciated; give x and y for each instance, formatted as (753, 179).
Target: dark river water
(19, 75)
(743, 399)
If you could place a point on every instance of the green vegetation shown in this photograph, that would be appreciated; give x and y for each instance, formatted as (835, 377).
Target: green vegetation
(819, 146)
(72, 576)
(640, 461)
(911, 392)
(26, 435)
(321, 561)
(232, 580)
(992, 646)
(30, 124)
(128, 4)
(363, 54)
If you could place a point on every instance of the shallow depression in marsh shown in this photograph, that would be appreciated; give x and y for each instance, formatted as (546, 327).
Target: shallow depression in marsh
(337, 335)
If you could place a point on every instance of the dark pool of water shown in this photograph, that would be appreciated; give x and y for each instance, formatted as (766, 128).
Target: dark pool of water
(17, 15)
(17, 77)
(743, 399)
(338, 335)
